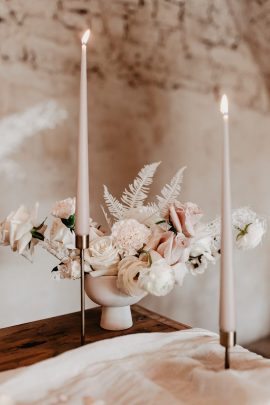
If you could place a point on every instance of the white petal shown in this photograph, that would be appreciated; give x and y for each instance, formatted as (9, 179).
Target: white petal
(180, 271)
(23, 242)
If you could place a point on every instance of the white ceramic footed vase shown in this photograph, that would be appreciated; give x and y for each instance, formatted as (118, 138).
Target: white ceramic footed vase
(115, 305)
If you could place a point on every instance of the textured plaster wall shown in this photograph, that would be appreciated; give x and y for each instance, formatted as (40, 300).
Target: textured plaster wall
(156, 71)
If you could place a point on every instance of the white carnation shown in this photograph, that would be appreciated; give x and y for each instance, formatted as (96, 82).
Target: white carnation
(250, 229)
(243, 216)
(129, 236)
(251, 236)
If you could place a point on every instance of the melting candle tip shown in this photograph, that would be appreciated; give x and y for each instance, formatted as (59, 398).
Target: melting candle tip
(86, 37)
(224, 105)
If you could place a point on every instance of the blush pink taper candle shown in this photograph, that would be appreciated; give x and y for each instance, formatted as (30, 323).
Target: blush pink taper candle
(227, 306)
(82, 200)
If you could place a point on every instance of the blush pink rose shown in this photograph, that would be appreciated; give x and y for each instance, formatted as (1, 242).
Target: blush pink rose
(184, 217)
(173, 248)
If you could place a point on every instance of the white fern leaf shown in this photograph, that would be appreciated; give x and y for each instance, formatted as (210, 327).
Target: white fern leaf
(108, 219)
(147, 214)
(153, 214)
(115, 208)
(138, 191)
(142, 214)
(170, 192)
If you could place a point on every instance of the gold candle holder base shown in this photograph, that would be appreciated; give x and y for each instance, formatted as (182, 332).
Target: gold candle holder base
(82, 243)
(228, 340)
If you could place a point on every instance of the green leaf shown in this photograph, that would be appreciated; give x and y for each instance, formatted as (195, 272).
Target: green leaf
(242, 232)
(37, 235)
(161, 222)
(172, 228)
(69, 222)
(149, 258)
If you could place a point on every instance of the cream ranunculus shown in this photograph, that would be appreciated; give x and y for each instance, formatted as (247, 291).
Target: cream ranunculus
(60, 233)
(251, 235)
(64, 208)
(17, 230)
(129, 271)
(158, 279)
(102, 256)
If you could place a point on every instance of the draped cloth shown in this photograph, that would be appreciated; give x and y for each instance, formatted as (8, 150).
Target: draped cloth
(184, 367)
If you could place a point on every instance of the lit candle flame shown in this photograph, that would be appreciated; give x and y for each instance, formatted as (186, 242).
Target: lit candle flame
(86, 37)
(224, 105)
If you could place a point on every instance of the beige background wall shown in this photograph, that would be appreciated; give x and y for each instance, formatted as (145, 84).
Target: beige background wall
(156, 71)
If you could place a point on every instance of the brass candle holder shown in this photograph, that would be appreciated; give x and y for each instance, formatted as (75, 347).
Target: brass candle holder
(227, 340)
(82, 243)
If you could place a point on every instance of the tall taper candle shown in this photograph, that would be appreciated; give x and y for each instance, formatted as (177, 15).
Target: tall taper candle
(82, 200)
(227, 307)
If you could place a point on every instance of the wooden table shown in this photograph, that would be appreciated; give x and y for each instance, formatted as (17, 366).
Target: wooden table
(29, 343)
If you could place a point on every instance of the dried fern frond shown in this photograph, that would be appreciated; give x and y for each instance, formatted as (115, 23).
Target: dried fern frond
(143, 214)
(108, 219)
(139, 189)
(115, 208)
(170, 192)
(153, 214)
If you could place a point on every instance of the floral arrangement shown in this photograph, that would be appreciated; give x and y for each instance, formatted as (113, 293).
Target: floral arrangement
(149, 247)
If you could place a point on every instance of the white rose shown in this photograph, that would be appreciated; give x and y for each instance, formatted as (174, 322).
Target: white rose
(158, 279)
(102, 256)
(60, 233)
(251, 236)
(64, 208)
(129, 236)
(16, 230)
(129, 270)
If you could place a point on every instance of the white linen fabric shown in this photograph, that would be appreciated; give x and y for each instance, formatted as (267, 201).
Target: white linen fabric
(184, 367)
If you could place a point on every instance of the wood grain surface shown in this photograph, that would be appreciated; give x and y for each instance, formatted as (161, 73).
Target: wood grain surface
(29, 343)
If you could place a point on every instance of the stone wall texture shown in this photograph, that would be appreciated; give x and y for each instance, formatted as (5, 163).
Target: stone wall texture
(156, 70)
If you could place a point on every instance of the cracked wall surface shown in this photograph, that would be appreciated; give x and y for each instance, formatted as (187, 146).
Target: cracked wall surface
(156, 71)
